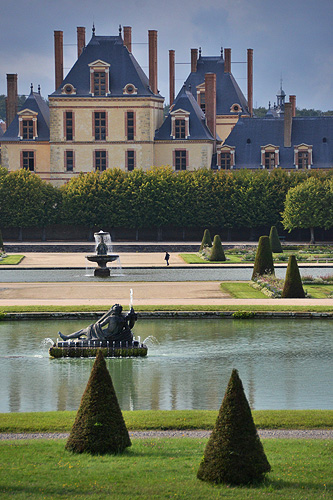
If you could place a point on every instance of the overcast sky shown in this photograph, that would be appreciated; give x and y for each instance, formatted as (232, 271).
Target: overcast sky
(291, 39)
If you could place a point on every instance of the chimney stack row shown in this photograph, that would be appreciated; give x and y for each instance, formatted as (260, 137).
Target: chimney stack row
(128, 38)
(152, 41)
(12, 98)
(172, 76)
(81, 39)
(59, 57)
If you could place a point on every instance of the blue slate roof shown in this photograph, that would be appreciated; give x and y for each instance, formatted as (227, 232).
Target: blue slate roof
(250, 134)
(227, 89)
(1, 132)
(36, 103)
(197, 123)
(124, 69)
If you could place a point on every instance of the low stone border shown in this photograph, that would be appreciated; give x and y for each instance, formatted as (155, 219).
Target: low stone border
(10, 316)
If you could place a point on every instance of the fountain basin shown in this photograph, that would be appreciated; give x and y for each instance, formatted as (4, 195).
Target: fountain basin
(89, 349)
(101, 260)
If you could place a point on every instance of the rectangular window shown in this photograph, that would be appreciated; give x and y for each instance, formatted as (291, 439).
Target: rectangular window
(225, 161)
(28, 160)
(269, 159)
(69, 125)
(100, 125)
(130, 160)
(100, 160)
(303, 159)
(130, 125)
(179, 129)
(99, 86)
(180, 159)
(69, 161)
(27, 129)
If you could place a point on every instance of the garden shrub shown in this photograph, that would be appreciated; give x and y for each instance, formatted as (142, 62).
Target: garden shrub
(243, 315)
(263, 263)
(206, 240)
(275, 240)
(293, 288)
(234, 453)
(99, 425)
(217, 252)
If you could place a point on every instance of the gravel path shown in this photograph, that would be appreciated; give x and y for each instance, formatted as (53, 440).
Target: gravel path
(263, 433)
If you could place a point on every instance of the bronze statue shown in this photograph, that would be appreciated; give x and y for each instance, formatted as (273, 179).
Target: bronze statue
(117, 327)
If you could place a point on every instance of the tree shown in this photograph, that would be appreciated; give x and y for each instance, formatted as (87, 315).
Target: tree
(206, 240)
(234, 453)
(263, 263)
(293, 288)
(217, 252)
(99, 425)
(275, 240)
(307, 206)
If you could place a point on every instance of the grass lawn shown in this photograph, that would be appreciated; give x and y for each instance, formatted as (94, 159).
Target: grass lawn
(193, 258)
(319, 291)
(11, 260)
(158, 469)
(241, 290)
(62, 421)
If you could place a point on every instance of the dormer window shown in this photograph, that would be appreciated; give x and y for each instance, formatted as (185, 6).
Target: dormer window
(269, 156)
(99, 78)
(303, 156)
(201, 97)
(180, 124)
(130, 89)
(68, 89)
(27, 125)
(226, 157)
(235, 108)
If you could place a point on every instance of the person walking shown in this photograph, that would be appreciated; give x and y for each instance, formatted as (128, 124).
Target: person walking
(166, 258)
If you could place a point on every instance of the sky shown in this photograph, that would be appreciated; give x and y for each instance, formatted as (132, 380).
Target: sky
(291, 40)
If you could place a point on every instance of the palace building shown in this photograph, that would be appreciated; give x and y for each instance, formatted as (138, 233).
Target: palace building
(106, 113)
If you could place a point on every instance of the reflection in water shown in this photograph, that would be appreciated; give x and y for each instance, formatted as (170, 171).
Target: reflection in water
(284, 364)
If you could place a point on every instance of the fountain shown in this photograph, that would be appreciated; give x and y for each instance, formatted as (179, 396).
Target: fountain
(111, 334)
(102, 255)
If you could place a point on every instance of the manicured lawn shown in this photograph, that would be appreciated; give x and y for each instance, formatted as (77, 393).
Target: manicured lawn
(193, 258)
(11, 260)
(241, 290)
(157, 469)
(319, 291)
(62, 421)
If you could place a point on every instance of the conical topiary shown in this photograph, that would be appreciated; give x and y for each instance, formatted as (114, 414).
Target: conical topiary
(206, 240)
(217, 252)
(234, 453)
(263, 263)
(99, 425)
(275, 240)
(293, 288)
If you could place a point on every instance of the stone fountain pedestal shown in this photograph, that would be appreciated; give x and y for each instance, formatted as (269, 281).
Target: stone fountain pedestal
(102, 270)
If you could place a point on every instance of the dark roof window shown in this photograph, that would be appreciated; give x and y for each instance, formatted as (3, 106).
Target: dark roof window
(324, 139)
(248, 141)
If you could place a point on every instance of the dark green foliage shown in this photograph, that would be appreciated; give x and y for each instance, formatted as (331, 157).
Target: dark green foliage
(217, 252)
(293, 288)
(99, 425)
(234, 453)
(2, 248)
(263, 263)
(206, 240)
(275, 240)
(243, 315)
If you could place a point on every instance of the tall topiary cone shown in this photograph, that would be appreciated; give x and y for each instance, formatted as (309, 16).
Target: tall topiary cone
(206, 240)
(275, 240)
(99, 426)
(234, 453)
(293, 288)
(217, 252)
(263, 263)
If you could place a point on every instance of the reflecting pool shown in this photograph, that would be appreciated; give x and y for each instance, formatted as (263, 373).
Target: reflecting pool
(284, 364)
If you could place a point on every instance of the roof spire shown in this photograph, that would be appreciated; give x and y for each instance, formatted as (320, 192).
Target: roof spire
(221, 52)
(38, 89)
(93, 30)
(199, 51)
(119, 29)
(31, 88)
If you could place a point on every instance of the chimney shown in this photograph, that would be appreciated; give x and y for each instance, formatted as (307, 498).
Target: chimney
(227, 60)
(292, 99)
(250, 80)
(12, 98)
(128, 37)
(210, 93)
(194, 58)
(81, 39)
(58, 58)
(288, 122)
(172, 76)
(152, 41)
